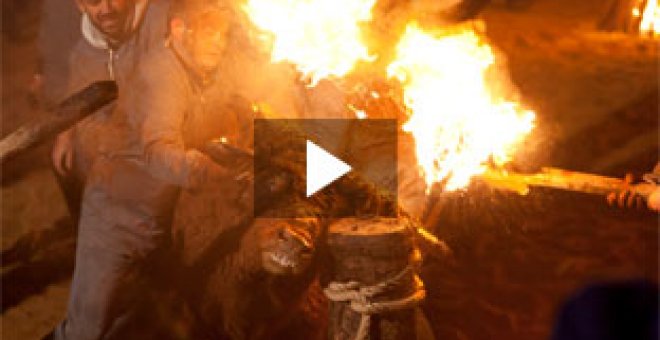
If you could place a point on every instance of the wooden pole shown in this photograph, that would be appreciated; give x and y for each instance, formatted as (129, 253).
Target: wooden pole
(65, 115)
(374, 288)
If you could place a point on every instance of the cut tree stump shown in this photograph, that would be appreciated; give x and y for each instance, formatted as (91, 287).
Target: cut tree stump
(365, 254)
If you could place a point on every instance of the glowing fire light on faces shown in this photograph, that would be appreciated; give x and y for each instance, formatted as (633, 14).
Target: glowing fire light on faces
(650, 22)
(321, 37)
(459, 124)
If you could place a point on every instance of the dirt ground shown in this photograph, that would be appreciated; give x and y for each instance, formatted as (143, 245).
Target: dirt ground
(517, 258)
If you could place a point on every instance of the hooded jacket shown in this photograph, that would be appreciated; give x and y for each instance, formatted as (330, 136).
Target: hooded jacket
(94, 59)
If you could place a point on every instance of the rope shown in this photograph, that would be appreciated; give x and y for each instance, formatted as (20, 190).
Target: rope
(359, 296)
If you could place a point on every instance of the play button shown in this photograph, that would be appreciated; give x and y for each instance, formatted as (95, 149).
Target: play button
(327, 165)
(322, 168)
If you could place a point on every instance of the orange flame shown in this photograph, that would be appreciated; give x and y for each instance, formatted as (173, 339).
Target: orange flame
(459, 124)
(320, 37)
(650, 23)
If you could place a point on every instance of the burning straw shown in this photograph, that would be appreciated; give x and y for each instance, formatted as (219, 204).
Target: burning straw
(459, 121)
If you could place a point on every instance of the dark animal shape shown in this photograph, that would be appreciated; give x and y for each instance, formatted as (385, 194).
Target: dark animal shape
(246, 278)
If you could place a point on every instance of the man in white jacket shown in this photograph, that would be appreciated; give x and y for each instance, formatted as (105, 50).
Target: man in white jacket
(116, 34)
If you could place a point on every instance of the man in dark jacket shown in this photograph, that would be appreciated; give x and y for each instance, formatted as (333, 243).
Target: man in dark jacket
(116, 34)
(132, 187)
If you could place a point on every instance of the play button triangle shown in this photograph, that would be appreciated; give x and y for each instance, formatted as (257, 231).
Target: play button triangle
(322, 168)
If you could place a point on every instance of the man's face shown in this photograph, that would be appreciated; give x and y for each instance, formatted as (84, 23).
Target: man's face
(208, 40)
(109, 16)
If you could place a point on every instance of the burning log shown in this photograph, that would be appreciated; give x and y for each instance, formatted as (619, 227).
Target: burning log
(374, 288)
(564, 180)
(65, 115)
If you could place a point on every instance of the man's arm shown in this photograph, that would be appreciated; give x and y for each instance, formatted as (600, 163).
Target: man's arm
(157, 110)
(62, 153)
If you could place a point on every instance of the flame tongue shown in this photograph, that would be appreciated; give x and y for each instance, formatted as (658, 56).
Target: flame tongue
(321, 37)
(459, 124)
(650, 22)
